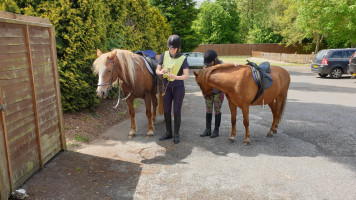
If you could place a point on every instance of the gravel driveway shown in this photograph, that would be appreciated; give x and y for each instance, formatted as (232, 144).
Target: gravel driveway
(313, 156)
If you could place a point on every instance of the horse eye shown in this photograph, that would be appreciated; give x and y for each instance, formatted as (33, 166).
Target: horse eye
(109, 70)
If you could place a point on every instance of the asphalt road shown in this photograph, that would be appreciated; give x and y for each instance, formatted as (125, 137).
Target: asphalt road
(313, 155)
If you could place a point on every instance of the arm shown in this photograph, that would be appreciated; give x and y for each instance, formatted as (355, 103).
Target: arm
(182, 77)
(160, 71)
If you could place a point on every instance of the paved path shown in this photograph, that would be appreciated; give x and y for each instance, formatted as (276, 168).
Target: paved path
(313, 156)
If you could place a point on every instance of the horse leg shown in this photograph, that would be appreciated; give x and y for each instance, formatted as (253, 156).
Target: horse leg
(150, 131)
(273, 129)
(245, 114)
(233, 122)
(130, 104)
(154, 104)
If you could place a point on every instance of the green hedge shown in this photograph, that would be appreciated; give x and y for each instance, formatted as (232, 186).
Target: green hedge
(82, 26)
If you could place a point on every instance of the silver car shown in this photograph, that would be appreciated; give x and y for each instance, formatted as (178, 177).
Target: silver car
(195, 59)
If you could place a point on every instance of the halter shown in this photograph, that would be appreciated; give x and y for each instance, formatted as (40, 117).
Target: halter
(112, 75)
(112, 80)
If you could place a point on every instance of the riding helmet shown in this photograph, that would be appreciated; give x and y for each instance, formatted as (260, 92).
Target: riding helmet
(209, 56)
(173, 41)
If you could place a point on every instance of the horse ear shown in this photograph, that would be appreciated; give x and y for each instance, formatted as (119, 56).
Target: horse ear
(98, 52)
(112, 55)
(196, 75)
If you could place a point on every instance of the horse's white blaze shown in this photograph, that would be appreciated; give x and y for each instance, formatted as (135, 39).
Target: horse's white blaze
(100, 88)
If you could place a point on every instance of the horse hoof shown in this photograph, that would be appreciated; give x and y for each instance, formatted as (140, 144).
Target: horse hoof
(246, 143)
(149, 134)
(132, 136)
(269, 135)
(231, 140)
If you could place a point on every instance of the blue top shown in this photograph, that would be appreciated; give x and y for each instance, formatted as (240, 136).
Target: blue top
(185, 65)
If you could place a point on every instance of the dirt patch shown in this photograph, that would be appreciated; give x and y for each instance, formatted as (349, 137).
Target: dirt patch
(85, 126)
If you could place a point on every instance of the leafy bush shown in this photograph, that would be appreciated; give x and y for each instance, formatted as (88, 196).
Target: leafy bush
(82, 26)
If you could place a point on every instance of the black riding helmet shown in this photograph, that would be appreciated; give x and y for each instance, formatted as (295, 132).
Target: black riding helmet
(209, 56)
(174, 41)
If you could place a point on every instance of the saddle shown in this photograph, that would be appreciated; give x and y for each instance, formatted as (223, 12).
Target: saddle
(262, 77)
(150, 57)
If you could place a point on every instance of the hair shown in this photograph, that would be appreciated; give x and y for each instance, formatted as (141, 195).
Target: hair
(127, 61)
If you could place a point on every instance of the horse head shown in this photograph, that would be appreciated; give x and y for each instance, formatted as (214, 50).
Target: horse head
(201, 80)
(106, 66)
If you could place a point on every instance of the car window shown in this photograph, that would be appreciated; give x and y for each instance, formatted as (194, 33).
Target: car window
(321, 54)
(348, 53)
(336, 54)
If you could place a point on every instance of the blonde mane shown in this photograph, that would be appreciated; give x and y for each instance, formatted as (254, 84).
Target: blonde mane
(127, 62)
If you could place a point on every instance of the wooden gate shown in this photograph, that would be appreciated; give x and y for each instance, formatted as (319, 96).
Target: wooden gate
(30, 103)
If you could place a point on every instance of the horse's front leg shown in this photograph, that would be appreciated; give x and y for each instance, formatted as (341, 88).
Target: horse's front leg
(245, 114)
(150, 131)
(130, 104)
(233, 122)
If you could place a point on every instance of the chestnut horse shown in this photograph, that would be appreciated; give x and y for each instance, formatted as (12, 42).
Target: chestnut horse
(135, 80)
(238, 84)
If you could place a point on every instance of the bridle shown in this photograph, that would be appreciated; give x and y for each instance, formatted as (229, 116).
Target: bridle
(111, 82)
(112, 75)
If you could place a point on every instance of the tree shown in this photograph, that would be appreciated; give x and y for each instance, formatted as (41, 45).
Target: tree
(180, 15)
(218, 22)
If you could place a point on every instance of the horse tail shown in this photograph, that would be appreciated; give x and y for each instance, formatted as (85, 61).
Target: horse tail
(283, 105)
(160, 100)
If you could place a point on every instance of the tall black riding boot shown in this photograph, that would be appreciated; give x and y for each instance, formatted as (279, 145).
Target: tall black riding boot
(176, 129)
(217, 126)
(207, 131)
(168, 135)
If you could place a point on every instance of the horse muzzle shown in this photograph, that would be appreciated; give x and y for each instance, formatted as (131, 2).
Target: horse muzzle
(102, 93)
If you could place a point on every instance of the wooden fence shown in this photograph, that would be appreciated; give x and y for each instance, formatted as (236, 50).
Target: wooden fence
(292, 58)
(246, 49)
(30, 103)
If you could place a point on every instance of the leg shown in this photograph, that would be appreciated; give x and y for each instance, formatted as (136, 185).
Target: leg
(167, 108)
(245, 113)
(273, 107)
(178, 96)
(132, 116)
(208, 116)
(150, 131)
(218, 100)
(233, 122)
(154, 104)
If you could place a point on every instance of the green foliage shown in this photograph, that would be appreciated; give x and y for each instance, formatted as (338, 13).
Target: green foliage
(180, 15)
(218, 22)
(82, 26)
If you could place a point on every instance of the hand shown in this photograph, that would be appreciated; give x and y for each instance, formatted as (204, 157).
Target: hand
(172, 76)
(164, 71)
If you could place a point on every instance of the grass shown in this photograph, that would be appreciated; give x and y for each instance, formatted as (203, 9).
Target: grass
(137, 103)
(81, 138)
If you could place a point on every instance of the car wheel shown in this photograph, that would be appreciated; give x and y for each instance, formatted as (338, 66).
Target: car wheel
(322, 75)
(336, 73)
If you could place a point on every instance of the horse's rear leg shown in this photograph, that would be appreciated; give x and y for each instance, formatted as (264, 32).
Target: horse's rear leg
(245, 113)
(130, 104)
(275, 108)
(154, 104)
(150, 131)
(233, 122)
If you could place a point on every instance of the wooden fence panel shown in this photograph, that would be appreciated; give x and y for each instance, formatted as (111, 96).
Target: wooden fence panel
(32, 124)
(246, 49)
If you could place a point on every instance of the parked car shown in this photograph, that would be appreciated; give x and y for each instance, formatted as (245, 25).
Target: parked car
(195, 59)
(333, 62)
(352, 64)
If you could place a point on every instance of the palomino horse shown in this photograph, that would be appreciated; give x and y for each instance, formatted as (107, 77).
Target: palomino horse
(135, 79)
(238, 84)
